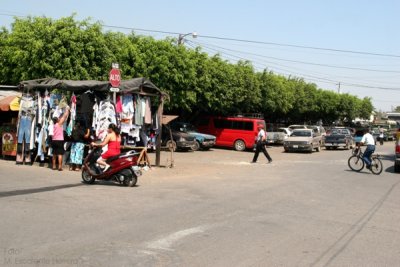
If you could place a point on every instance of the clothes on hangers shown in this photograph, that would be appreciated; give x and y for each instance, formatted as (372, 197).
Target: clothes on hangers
(105, 115)
(118, 104)
(147, 114)
(72, 115)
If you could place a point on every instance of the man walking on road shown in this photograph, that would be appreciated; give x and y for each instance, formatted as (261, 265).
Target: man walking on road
(260, 144)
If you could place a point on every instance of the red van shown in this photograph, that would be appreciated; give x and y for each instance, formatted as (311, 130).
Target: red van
(234, 132)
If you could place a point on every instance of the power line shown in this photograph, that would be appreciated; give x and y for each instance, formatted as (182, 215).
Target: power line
(305, 62)
(243, 40)
(315, 77)
(299, 46)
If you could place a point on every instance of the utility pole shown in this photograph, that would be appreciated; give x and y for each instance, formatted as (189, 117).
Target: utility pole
(339, 90)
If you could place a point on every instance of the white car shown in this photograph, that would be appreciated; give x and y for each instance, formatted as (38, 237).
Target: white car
(287, 132)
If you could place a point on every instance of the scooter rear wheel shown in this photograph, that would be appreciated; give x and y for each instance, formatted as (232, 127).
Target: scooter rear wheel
(86, 177)
(130, 178)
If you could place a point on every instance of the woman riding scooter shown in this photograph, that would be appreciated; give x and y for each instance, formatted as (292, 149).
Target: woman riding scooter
(113, 140)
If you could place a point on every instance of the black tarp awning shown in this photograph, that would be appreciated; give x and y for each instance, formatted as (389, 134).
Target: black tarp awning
(137, 85)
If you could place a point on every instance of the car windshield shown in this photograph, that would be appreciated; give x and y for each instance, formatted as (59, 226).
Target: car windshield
(301, 133)
(187, 127)
(340, 131)
(296, 127)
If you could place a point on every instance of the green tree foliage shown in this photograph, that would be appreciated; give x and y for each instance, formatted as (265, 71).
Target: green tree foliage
(38, 47)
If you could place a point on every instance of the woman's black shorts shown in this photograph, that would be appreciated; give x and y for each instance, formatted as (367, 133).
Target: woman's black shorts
(58, 147)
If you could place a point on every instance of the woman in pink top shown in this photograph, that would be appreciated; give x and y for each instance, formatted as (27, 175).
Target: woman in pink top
(57, 142)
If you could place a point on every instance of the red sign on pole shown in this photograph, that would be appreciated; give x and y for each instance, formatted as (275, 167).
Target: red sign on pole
(115, 77)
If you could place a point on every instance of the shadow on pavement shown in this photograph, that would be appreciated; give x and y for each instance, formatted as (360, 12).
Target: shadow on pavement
(37, 190)
(390, 169)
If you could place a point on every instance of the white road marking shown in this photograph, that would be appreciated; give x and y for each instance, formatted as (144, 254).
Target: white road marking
(166, 242)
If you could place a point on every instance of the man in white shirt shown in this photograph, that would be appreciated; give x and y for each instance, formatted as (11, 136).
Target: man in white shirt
(260, 144)
(369, 141)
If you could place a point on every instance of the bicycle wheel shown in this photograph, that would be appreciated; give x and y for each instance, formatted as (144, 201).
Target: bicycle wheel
(376, 166)
(356, 163)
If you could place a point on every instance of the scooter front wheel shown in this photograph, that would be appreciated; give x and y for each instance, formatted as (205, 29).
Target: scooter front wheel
(86, 177)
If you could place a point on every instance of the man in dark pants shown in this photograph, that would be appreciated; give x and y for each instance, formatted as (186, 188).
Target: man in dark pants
(369, 141)
(260, 144)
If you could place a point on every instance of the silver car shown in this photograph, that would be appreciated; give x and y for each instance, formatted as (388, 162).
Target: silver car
(303, 140)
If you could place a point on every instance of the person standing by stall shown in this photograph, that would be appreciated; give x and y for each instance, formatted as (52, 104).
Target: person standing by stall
(78, 146)
(57, 143)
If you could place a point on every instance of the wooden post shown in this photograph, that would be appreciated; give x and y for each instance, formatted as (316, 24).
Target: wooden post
(160, 118)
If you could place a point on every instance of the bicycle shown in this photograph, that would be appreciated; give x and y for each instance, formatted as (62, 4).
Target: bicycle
(357, 163)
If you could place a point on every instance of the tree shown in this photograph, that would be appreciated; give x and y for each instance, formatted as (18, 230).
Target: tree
(198, 83)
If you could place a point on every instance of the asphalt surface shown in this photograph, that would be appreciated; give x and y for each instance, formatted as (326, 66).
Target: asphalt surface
(213, 208)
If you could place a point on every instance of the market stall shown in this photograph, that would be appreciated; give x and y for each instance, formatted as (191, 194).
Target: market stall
(9, 106)
(137, 110)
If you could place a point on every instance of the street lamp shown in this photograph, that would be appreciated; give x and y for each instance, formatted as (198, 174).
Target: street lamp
(182, 36)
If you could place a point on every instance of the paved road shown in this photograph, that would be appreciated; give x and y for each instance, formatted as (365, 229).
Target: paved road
(213, 209)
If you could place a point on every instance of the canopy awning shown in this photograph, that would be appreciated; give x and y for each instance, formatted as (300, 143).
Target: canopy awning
(168, 118)
(9, 103)
(137, 85)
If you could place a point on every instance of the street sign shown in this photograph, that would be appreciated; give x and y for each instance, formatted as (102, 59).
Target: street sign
(115, 77)
(114, 89)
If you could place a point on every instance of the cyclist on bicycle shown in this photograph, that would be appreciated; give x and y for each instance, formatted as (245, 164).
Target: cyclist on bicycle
(369, 141)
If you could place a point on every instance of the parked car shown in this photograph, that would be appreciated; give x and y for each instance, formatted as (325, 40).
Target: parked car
(303, 140)
(203, 141)
(286, 131)
(376, 133)
(295, 126)
(397, 152)
(275, 137)
(278, 136)
(339, 137)
(232, 132)
(317, 129)
(358, 136)
(180, 140)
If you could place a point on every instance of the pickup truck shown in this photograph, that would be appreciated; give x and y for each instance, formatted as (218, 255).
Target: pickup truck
(339, 137)
(278, 136)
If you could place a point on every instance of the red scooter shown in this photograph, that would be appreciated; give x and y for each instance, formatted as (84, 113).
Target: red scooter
(123, 170)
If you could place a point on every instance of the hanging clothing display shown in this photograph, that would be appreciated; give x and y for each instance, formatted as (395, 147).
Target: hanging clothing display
(72, 115)
(105, 115)
(138, 111)
(147, 113)
(118, 104)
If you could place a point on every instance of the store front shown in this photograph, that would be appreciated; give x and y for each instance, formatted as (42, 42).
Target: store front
(137, 110)
(9, 106)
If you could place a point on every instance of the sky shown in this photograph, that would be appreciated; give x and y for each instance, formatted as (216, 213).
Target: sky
(274, 35)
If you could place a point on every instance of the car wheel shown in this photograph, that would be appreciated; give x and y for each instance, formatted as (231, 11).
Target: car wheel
(196, 146)
(328, 148)
(240, 145)
(171, 145)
